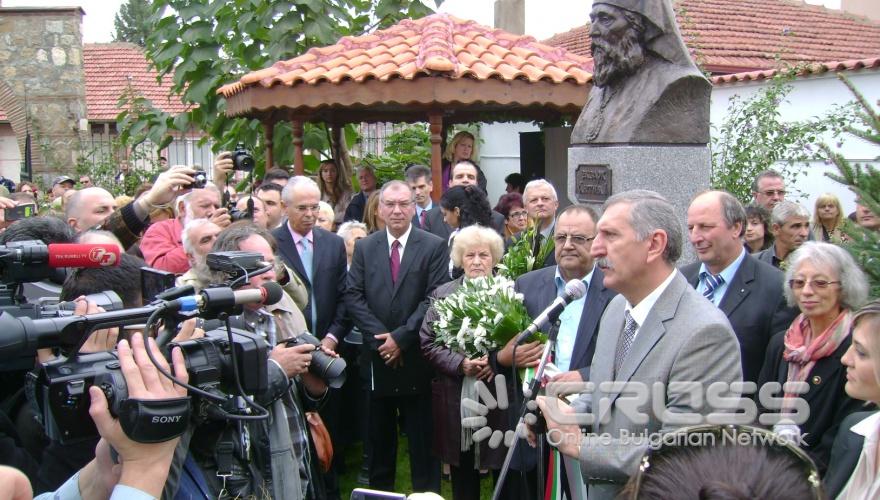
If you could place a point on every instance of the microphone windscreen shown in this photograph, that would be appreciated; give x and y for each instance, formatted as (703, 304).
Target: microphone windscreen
(575, 289)
(273, 291)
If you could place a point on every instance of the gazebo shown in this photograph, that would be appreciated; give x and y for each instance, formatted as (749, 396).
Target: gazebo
(438, 69)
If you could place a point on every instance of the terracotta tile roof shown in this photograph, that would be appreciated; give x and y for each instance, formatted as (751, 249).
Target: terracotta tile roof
(439, 44)
(109, 67)
(812, 69)
(729, 36)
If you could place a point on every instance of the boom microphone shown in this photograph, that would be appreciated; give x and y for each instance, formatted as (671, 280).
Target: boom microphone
(574, 290)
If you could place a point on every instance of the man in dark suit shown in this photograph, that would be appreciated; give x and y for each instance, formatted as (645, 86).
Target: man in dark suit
(392, 273)
(748, 291)
(658, 330)
(355, 208)
(419, 179)
(318, 258)
(541, 203)
(464, 173)
(575, 229)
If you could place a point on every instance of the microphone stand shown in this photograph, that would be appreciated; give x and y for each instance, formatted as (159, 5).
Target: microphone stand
(530, 395)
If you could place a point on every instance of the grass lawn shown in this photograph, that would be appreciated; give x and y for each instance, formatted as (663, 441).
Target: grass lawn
(348, 481)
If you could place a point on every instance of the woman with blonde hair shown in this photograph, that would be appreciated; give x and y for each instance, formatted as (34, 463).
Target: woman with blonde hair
(371, 214)
(461, 147)
(827, 219)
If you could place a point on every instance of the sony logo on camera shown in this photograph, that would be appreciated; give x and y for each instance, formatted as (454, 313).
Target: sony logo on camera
(167, 420)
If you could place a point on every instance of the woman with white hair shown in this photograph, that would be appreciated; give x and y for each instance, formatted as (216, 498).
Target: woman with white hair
(476, 250)
(826, 284)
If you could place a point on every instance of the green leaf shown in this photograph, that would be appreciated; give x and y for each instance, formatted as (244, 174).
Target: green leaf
(198, 91)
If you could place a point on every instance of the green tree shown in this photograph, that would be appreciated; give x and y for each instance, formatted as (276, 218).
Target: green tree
(203, 44)
(132, 22)
(753, 138)
(864, 180)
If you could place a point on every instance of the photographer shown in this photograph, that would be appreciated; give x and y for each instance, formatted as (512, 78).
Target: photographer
(281, 443)
(141, 469)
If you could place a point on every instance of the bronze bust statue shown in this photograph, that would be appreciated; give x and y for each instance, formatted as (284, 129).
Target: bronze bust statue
(646, 88)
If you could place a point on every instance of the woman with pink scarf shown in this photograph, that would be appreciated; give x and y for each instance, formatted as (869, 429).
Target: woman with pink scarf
(826, 284)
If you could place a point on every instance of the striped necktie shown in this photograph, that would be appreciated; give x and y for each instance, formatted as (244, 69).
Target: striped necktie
(712, 281)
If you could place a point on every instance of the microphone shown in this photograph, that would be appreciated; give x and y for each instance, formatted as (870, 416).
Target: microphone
(574, 290)
(83, 255)
(226, 299)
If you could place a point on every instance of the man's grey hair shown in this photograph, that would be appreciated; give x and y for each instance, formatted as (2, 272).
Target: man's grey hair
(785, 210)
(186, 199)
(537, 183)
(364, 166)
(649, 211)
(416, 172)
(853, 283)
(346, 229)
(98, 236)
(396, 183)
(766, 174)
(189, 246)
(293, 183)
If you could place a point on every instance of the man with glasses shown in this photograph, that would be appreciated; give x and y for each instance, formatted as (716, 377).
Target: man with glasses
(573, 236)
(85, 182)
(318, 258)
(748, 291)
(392, 273)
(768, 189)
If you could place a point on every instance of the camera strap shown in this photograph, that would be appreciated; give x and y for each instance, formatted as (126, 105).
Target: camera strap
(154, 420)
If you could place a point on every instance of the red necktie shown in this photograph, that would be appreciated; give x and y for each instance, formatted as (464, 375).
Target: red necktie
(395, 261)
(422, 219)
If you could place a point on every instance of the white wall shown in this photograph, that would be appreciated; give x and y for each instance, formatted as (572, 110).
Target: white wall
(499, 154)
(10, 156)
(811, 97)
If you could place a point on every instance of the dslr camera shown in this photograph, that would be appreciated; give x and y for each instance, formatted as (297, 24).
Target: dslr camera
(242, 159)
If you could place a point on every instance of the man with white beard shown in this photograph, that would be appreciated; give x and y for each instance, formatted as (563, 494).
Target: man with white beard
(646, 88)
(162, 245)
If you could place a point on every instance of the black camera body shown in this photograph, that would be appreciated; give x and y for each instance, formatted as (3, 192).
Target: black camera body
(329, 369)
(200, 180)
(237, 215)
(242, 158)
(61, 387)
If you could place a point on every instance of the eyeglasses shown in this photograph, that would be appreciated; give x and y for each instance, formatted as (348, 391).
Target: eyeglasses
(402, 204)
(307, 208)
(576, 239)
(771, 192)
(514, 215)
(817, 284)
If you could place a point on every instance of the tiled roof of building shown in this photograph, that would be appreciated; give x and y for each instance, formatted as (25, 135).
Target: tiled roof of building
(729, 36)
(439, 44)
(110, 68)
(811, 69)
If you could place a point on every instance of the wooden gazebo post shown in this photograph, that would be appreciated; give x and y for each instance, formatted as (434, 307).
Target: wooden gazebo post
(435, 120)
(268, 132)
(298, 161)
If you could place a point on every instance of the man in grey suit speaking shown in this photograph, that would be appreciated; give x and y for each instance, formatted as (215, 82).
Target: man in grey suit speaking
(658, 330)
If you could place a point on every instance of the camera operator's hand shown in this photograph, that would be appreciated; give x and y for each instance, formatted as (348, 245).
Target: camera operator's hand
(222, 167)
(167, 186)
(293, 360)
(99, 340)
(15, 484)
(189, 330)
(144, 466)
(221, 217)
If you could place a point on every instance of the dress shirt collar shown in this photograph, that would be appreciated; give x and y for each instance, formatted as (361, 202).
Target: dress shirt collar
(403, 238)
(640, 311)
(560, 281)
(728, 272)
(867, 426)
(297, 237)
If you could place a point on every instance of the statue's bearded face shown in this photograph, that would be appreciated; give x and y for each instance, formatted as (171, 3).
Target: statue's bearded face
(616, 43)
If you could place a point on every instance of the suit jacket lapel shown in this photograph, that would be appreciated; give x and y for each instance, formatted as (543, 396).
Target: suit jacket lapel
(384, 261)
(739, 287)
(652, 331)
(593, 308)
(291, 254)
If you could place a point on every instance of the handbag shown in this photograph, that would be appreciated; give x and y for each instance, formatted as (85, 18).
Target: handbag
(321, 438)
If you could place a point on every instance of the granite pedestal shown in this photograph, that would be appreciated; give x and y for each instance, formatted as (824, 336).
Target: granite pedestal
(678, 172)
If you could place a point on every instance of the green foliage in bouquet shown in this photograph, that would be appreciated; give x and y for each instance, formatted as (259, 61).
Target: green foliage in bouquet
(482, 315)
(519, 258)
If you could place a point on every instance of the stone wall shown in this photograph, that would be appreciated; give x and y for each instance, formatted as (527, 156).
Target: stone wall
(42, 84)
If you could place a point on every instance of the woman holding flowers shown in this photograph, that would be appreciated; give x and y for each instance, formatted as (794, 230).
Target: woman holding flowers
(455, 339)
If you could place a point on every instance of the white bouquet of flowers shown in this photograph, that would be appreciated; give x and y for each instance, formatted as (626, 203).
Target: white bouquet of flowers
(482, 315)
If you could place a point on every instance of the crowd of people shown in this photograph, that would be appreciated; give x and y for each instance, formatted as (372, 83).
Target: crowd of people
(773, 299)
